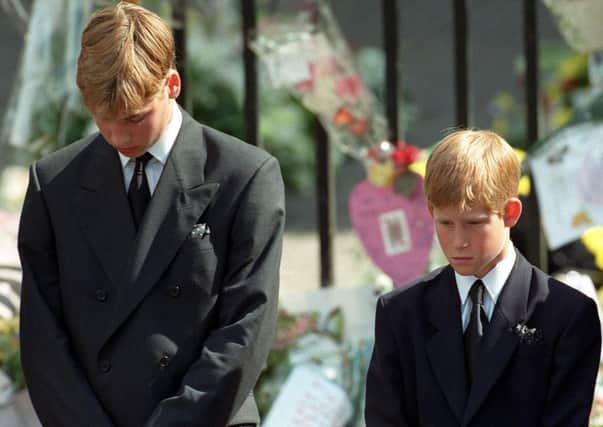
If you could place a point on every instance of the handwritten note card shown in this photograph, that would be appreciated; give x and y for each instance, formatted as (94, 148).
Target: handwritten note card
(309, 400)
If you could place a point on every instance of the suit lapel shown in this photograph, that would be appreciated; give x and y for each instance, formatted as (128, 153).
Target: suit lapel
(102, 209)
(499, 342)
(179, 200)
(445, 347)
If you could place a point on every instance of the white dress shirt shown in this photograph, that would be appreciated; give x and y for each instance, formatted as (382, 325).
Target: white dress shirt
(493, 282)
(159, 150)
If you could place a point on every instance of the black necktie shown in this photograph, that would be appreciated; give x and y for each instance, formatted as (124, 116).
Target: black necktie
(138, 191)
(476, 328)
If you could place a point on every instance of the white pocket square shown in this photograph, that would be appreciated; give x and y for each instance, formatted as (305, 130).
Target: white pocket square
(200, 230)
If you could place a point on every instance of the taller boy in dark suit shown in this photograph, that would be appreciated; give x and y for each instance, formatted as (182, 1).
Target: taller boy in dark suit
(150, 251)
(488, 340)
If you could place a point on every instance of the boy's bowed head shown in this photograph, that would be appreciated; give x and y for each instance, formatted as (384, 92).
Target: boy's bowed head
(471, 184)
(126, 54)
(127, 76)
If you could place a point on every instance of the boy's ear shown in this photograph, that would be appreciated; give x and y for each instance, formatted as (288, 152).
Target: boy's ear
(512, 212)
(173, 84)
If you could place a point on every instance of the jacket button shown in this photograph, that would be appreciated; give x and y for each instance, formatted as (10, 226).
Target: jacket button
(175, 291)
(101, 295)
(164, 361)
(105, 366)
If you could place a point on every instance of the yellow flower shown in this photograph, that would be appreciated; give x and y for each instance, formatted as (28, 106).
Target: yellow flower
(593, 241)
(381, 174)
(573, 66)
(524, 182)
(418, 167)
(525, 186)
(520, 154)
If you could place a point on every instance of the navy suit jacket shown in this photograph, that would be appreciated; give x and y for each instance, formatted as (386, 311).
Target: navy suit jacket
(160, 327)
(417, 373)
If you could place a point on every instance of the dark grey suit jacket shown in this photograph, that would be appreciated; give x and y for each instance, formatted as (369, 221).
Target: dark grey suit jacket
(160, 327)
(417, 373)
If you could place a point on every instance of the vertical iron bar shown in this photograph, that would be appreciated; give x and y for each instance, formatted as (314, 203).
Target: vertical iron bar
(390, 41)
(536, 251)
(460, 63)
(325, 191)
(530, 33)
(251, 76)
(179, 29)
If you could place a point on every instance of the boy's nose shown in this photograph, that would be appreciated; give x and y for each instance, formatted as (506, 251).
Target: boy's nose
(461, 241)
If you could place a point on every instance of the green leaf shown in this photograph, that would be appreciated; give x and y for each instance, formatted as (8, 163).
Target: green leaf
(406, 184)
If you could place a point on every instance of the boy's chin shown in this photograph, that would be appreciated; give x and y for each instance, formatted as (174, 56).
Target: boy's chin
(464, 269)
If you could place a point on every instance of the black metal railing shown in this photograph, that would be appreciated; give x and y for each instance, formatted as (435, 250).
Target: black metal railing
(461, 75)
(391, 37)
(536, 250)
(251, 108)
(179, 30)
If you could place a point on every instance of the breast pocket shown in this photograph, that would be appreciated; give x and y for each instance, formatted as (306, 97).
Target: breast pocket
(196, 263)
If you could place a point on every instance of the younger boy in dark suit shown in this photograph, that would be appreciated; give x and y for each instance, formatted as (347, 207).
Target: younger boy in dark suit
(488, 340)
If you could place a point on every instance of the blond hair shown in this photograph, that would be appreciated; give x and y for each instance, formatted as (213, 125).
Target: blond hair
(472, 168)
(126, 54)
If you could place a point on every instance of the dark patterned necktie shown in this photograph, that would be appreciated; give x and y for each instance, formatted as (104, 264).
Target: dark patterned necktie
(476, 328)
(138, 191)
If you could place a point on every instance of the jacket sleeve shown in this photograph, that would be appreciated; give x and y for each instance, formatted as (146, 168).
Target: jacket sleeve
(384, 386)
(59, 390)
(575, 365)
(216, 385)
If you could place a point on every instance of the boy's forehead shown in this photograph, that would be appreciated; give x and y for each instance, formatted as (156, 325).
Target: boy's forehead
(112, 115)
(461, 212)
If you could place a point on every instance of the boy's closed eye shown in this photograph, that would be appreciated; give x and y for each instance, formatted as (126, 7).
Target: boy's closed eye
(470, 223)
(137, 118)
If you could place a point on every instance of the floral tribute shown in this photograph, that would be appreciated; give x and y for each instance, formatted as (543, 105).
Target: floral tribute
(389, 211)
(304, 339)
(309, 57)
(389, 165)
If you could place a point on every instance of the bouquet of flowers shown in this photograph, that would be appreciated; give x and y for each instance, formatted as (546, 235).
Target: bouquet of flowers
(309, 56)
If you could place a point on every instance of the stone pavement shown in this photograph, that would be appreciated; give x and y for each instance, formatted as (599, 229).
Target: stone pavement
(300, 266)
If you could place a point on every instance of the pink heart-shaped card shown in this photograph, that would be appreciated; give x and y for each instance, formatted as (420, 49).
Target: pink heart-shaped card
(396, 232)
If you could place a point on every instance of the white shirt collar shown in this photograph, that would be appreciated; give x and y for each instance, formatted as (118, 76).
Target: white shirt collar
(161, 149)
(494, 281)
